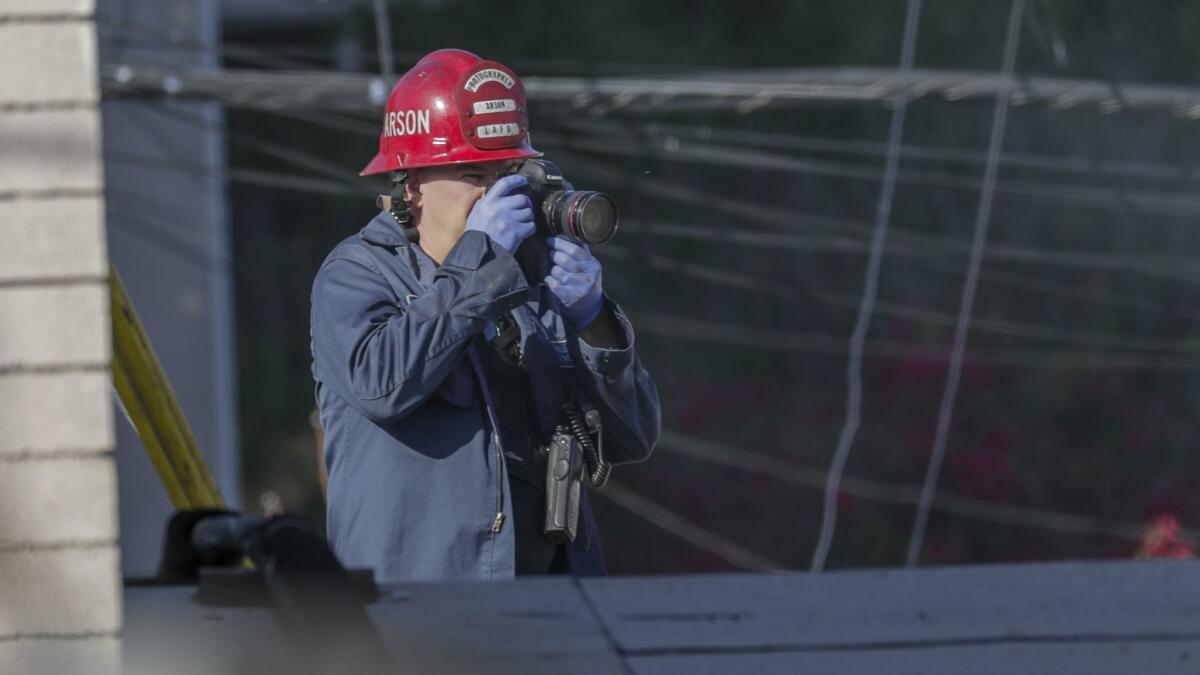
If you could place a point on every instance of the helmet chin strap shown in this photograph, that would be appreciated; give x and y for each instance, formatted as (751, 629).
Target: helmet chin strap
(395, 205)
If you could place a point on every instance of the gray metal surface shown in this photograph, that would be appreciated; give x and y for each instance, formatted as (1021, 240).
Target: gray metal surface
(1093, 601)
(1089, 617)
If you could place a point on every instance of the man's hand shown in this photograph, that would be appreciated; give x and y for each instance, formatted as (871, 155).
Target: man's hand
(506, 218)
(575, 279)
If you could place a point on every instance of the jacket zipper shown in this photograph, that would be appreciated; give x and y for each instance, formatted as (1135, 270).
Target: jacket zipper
(499, 520)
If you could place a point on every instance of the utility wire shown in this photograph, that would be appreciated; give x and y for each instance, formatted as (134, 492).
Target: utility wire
(383, 35)
(691, 231)
(767, 215)
(305, 56)
(162, 235)
(922, 248)
(946, 412)
(906, 243)
(289, 154)
(163, 239)
(675, 149)
(154, 231)
(741, 91)
(928, 256)
(870, 290)
(696, 270)
(688, 531)
(774, 140)
(682, 327)
(702, 450)
(663, 263)
(271, 179)
(724, 235)
(1058, 93)
(1035, 331)
(1018, 329)
(672, 148)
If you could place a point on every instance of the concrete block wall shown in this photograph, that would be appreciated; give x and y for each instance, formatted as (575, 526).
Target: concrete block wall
(60, 586)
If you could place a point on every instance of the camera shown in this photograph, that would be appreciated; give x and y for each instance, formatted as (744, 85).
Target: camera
(584, 216)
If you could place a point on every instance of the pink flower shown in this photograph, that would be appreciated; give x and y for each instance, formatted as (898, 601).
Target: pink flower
(1163, 538)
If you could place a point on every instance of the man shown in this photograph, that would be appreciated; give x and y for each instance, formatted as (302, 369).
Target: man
(441, 373)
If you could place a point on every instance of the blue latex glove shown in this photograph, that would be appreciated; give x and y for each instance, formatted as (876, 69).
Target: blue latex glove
(505, 217)
(575, 279)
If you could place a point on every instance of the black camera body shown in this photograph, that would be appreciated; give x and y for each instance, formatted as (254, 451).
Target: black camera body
(583, 216)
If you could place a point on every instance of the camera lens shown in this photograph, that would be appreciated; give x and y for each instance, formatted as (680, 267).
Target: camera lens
(583, 216)
(597, 218)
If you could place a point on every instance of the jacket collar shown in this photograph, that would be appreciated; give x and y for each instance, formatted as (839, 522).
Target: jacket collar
(383, 230)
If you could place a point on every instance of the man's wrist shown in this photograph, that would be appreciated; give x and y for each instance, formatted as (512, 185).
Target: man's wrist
(603, 331)
(582, 317)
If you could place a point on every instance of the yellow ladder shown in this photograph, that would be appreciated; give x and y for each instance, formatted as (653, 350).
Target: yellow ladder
(150, 403)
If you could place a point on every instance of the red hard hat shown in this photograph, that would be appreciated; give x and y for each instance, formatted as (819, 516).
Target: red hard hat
(453, 107)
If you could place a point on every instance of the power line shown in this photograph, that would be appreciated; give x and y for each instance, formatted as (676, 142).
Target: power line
(774, 140)
(982, 219)
(826, 344)
(149, 37)
(383, 35)
(926, 256)
(1063, 93)
(695, 270)
(738, 236)
(774, 216)
(1018, 329)
(272, 179)
(672, 148)
(305, 56)
(995, 326)
(900, 494)
(289, 154)
(907, 244)
(688, 531)
(742, 91)
(870, 290)
(1024, 282)
(180, 114)
(164, 239)
(912, 245)
(922, 248)
(664, 263)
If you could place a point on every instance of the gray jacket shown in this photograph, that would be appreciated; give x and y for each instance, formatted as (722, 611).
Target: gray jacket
(417, 474)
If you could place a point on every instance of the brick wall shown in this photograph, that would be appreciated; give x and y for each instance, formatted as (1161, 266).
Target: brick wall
(60, 593)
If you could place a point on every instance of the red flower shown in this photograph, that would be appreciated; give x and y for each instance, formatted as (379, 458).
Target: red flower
(1163, 538)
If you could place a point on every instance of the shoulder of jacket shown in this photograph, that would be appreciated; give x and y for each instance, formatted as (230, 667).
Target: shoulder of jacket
(353, 249)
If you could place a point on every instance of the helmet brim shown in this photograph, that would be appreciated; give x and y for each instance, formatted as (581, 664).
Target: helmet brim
(383, 164)
(377, 166)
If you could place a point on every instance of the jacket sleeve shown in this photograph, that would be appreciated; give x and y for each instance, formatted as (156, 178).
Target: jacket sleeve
(386, 360)
(623, 392)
